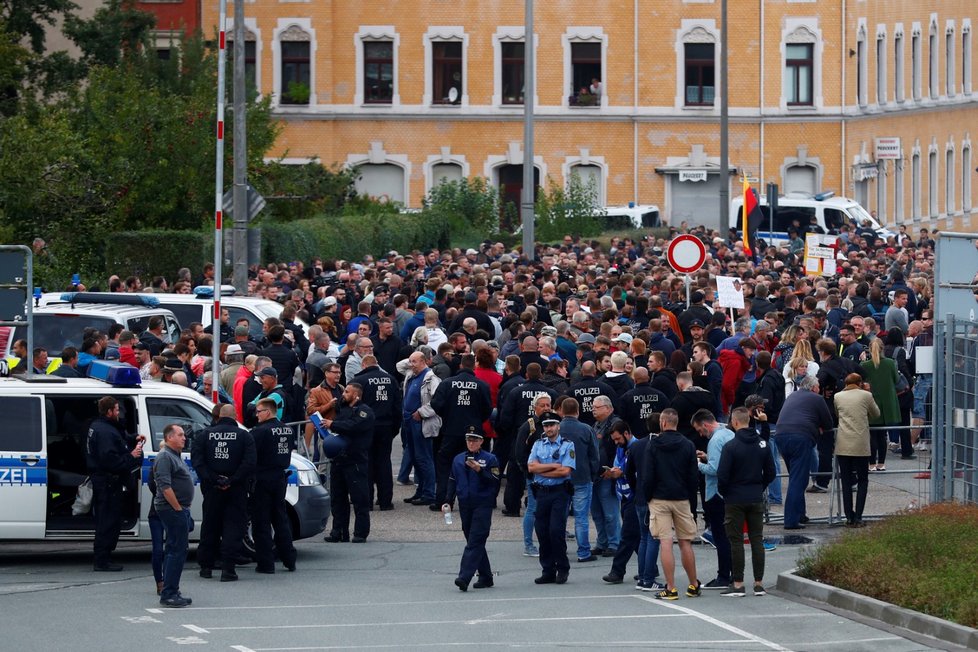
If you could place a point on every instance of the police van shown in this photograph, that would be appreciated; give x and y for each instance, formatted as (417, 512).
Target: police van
(42, 453)
(632, 216)
(829, 212)
(61, 323)
(199, 307)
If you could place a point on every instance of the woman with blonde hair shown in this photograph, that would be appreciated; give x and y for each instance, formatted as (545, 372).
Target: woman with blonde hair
(881, 374)
(802, 351)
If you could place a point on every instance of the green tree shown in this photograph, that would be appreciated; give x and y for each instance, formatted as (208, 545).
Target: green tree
(568, 211)
(468, 205)
(299, 191)
(14, 64)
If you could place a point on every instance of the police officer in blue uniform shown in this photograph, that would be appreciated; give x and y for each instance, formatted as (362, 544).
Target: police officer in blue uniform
(381, 394)
(224, 458)
(463, 402)
(474, 479)
(354, 423)
(550, 463)
(274, 442)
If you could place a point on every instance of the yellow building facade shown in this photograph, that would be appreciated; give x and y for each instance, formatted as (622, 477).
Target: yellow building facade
(873, 100)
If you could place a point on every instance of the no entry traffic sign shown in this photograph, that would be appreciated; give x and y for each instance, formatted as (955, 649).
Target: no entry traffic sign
(686, 254)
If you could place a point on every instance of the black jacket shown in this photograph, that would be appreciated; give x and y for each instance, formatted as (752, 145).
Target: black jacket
(746, 468)
(518, 405)
(469, 310)
(619, 385)
(585, 391)
(381, 394)
(284, 360)
(356, 426)
(463, 402)
(224, 449)
(670, 471)
(637, 404)
(664, 380)
(771, 387)
(686, 404)
(108, 452)
(274, 442)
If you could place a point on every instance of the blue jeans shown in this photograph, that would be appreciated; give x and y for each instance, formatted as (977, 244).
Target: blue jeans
(529, 517)
(648, 545)
(797, 451)
(156, 534)
(177, 528)
(582, 508)
(774, 489)
(606, 513)
(424, 461)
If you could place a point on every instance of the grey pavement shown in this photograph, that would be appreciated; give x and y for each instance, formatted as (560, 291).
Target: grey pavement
(396, 592)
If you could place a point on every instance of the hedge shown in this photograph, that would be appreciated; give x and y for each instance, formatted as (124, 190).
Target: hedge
(157, 252)
(352, 236)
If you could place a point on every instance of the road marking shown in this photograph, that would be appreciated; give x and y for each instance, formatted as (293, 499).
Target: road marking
(187, 640)
(854, 640)
(195, 628)
(560, 598)
(137, 620)
(441, 622)
(644, 643)
(718, 623)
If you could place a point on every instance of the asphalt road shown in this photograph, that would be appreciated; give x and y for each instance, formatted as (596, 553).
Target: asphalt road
(388, 595)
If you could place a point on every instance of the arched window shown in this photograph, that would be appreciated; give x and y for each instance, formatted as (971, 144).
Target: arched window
(801, 179)
(445, 172)
(590, 176)
(383, 181)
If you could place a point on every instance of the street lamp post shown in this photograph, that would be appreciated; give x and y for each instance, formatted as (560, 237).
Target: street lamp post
(529, 187)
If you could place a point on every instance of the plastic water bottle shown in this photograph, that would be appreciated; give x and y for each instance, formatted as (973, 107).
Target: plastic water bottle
(448, 514)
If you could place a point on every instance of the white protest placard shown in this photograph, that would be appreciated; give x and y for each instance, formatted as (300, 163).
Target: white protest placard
(730, 292)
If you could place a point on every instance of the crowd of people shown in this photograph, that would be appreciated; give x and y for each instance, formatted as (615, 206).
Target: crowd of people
(583, 379)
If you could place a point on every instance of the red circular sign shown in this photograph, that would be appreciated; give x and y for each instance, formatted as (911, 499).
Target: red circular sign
(686, 253)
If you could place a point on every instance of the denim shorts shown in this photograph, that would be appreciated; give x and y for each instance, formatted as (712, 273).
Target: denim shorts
(921, 398)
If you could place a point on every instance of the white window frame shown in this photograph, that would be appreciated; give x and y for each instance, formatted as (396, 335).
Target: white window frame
(898, 198)
(585, 158)
(282, 26)
(950, 87)
(439, 34)
(862, 65)
(445, 158)
(933, 203)
(510, 34)
(949, 179)
(585, 34)
(916, 62)
(881, 56)
(802, 159)
(375, 33)
(377, 155)
(933, 60)
(513, 156)
(916, 184)
(899, 82)
(251, 29)
(966, 162)
(802, 30)
(696, 31)
(966, 56)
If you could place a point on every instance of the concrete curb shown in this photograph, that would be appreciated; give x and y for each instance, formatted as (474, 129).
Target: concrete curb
(789, 582)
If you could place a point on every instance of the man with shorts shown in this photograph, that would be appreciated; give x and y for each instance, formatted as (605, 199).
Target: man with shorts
(670, 483)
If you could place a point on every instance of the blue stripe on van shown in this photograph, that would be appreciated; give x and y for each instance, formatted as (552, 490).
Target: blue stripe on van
(15, 471)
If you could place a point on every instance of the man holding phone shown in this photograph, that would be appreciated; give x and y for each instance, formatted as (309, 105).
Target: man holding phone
(474, 480)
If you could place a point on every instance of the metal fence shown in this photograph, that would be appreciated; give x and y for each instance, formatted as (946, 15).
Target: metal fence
(955, 454)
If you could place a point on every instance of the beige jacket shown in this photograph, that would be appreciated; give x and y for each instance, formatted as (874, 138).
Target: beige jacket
(855, 408)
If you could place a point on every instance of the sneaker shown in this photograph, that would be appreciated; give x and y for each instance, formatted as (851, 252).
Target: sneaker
(769, 546)
(694, 591)
(532, 551)
(667, 594)
(894, 447)
(759, 589)
(707, 538)
(584, 560)
(815, 489)
(922, 446)
(654, 586)
(640, 586)
(175, 602)
(717, 584)
(734, 592)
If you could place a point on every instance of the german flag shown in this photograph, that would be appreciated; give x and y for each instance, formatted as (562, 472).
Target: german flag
(751, 216)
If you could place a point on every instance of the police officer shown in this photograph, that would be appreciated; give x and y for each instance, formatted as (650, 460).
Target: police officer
(383, 396)
(589, 388)
(224, 458)
(551, 462)
(638, 403)
(274, 442)
(112, 459)
(463, 402)
(474, 479)
(348, 483)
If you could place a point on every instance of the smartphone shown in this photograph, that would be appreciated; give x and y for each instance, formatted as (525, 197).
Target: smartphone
(470, 458)
(605, 468)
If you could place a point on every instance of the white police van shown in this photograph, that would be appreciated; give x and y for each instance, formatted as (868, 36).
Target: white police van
(830, 213)
(632, 216)
(42, 453)
(199, 307)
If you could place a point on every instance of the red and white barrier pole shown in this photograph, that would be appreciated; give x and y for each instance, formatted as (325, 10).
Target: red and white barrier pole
(219, 204)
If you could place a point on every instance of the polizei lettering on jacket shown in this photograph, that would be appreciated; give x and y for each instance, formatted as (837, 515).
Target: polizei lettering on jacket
(463, 387)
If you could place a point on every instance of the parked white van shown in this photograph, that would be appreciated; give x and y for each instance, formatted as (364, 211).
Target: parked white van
(632, 216)
(42, 453)
(830, 213)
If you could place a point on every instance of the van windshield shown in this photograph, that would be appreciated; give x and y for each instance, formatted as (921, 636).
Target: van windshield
(859, 214)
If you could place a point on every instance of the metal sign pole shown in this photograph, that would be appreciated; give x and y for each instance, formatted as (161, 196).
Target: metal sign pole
(219, 204)
(688, 283)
